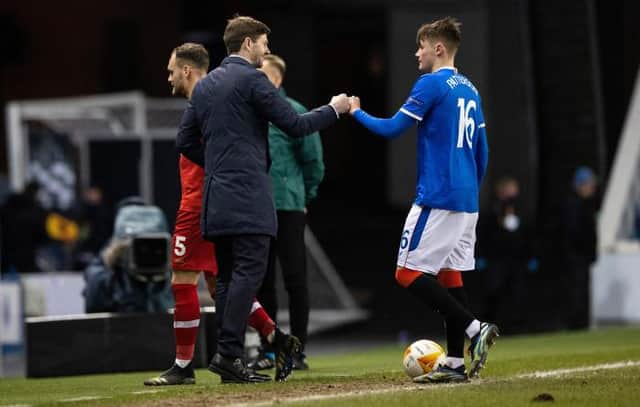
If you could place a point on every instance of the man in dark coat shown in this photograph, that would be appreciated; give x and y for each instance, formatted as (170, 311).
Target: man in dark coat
(579, 246)
(231, 108)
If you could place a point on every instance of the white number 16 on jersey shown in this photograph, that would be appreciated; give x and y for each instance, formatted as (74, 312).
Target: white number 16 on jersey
(466, 123)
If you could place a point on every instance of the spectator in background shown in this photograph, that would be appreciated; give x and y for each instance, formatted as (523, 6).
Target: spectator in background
(296, 172)
(504, 246)
(63, 232)
(23, 230)
(579, 246)
(95, 222)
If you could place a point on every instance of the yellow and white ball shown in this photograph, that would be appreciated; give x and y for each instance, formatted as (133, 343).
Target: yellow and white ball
(421, 357)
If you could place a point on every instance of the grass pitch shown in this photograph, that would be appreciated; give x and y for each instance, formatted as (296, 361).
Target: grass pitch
(572, 369)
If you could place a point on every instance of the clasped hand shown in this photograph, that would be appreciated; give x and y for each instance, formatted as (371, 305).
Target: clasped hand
(343, 103)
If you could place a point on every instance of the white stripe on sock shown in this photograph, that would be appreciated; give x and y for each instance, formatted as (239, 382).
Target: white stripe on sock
(454, 363)
(187, 324)
(473, 328)
(256, 305)
(182, 363)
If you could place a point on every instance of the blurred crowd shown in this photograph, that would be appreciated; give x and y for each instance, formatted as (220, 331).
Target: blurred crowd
(38, 238)
(123, 252)
(512, 251)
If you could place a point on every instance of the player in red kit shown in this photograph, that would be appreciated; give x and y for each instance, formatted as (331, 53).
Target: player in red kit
(191, 254)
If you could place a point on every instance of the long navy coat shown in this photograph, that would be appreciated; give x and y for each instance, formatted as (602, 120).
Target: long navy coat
(231, 108)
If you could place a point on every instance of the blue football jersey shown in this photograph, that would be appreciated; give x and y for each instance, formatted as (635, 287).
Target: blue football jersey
(452, 145)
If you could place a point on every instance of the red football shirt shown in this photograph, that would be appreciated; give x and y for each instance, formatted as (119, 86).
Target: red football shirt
(191, 180)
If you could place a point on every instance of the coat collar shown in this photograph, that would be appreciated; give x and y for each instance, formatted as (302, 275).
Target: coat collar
(236, 59)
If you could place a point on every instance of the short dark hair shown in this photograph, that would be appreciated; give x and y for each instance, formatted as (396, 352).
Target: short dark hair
(241, 27)
(447, 30)
(276, 62)
(193, 53)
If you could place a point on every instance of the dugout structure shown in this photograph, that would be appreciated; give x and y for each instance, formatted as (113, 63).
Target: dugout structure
(615, 279)
(124, 143)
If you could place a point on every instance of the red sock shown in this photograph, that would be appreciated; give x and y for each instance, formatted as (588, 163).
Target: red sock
(260, 320)
(186, 320)
(450, 278)
(405, 277)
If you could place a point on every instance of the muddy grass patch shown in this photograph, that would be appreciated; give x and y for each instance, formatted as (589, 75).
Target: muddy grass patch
(277, 393)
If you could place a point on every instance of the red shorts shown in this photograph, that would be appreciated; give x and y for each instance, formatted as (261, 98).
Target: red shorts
(189, 251)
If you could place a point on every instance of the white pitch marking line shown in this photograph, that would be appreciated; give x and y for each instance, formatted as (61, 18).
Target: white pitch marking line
(562, 372)
(413, 387)
(147, 391)
(83, 398)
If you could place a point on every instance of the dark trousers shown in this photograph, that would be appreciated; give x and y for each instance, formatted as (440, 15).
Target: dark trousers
(577, 291)
(242, 264)
(291, 251)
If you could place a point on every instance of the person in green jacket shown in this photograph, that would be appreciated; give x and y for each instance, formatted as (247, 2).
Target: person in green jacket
(296, 172)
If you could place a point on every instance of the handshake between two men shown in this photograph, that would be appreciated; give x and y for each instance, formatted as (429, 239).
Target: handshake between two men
(345, 104)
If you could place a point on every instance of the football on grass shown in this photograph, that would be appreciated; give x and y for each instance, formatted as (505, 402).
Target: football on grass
(422, 357)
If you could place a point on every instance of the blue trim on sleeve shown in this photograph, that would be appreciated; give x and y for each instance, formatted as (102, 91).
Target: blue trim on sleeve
(387, 128)
(419, 228)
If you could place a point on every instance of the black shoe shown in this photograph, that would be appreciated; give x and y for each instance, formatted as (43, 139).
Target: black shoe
(175, 375)
(443, 374)
(287, 347)
(299, 362)
(265, 360)
(234, 370)
(259, 376)
(254, 376)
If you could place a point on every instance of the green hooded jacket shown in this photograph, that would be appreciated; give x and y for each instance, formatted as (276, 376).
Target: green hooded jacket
(296, 165)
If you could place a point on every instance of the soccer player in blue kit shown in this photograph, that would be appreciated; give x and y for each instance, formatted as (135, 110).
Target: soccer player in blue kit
(438, 239)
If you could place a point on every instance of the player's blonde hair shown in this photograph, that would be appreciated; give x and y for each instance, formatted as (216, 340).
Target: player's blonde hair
(276, 62)
(448, 30)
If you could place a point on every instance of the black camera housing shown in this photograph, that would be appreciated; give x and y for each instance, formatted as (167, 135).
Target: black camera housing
(149, 256)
